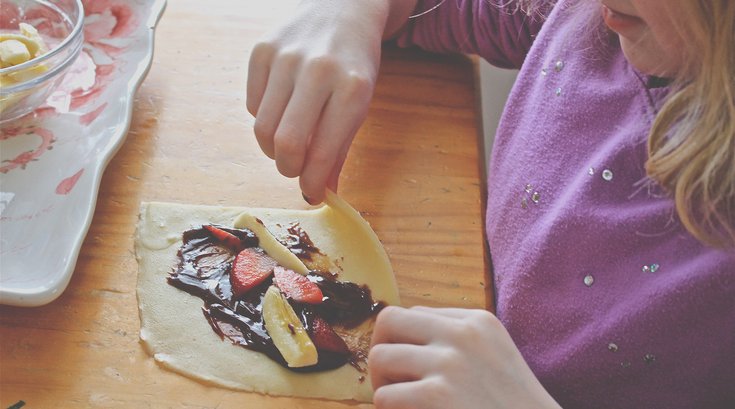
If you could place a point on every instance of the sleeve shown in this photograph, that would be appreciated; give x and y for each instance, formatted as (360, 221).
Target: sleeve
(501, 32)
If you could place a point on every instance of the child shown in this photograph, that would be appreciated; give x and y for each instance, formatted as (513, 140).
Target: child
(611, 208)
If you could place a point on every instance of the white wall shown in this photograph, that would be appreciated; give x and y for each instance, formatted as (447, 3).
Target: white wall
(495, 84)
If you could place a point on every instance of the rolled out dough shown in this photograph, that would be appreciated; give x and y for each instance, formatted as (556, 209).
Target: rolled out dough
(175, 332)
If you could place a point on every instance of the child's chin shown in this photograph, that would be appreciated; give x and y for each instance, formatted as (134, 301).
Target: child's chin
(648, 57)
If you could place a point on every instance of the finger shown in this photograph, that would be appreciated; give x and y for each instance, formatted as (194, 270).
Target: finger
(333, 179)
(258, 70)
(391, 363)
(452, 316)
(275, 98)
(344, 113)
(399, 325)
(404, 395)
(457, 313)
(298, 123)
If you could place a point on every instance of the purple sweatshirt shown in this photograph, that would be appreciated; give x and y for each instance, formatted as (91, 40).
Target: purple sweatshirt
(609, 299)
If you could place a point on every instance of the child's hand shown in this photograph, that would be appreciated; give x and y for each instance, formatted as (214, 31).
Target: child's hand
(309, 86)
(449, 358)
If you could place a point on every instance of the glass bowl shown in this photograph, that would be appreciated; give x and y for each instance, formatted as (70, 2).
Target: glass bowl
(24, 87)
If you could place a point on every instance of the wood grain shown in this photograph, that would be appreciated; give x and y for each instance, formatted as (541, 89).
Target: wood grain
(414, 173)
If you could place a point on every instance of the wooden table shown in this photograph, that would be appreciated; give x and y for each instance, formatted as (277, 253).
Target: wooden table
(414, 172)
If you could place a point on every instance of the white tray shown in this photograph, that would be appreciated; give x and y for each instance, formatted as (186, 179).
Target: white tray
(51, 162)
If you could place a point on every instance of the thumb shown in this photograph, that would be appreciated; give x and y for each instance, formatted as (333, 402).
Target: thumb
(333, 179)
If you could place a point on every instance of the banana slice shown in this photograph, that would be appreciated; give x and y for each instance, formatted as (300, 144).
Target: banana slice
(31, 45)
(17, 48)
(269, 243)
(286, 331)
(24, 75)
(31, 33)
(13, 52)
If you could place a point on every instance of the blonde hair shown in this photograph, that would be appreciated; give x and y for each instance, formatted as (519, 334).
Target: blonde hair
(691, 145)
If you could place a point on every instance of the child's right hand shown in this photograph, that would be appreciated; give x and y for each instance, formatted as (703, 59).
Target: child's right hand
(310, 83)
(436, 358)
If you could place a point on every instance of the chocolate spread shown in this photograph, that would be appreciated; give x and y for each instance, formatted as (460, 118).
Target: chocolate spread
(204, 271)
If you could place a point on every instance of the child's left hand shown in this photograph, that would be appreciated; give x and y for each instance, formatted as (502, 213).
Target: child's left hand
(449, 358)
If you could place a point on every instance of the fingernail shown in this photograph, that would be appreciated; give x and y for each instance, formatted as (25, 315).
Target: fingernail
(306, 199)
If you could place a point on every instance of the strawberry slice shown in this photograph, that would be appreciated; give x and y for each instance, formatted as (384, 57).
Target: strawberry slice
(325, 339)
(226, 237)
(296, 286)
(250, 268)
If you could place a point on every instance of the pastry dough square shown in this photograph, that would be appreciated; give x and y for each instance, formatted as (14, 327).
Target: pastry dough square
(175, 332)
